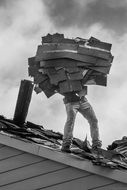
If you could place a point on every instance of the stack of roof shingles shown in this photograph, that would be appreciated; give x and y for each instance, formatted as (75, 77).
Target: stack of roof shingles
(64, 65)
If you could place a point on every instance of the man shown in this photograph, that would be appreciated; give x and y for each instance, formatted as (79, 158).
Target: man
(78, 103)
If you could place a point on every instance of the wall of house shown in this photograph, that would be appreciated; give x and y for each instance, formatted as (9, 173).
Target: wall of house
(23, 171)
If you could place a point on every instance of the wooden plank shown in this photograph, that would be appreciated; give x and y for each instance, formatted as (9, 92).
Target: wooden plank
(95, 79)
(30, 171)
(58, 176)
(32, 71)
(51, 71)
(58, 38)
(99, 44)
(46, 85)
(99, 63)
(82, 183)
(58, 63)
(69, 63)
(48, 88)
(69, 86)
(6, 152)
(76, 76)
(31, 61)
(49, 38)
(57, 55)
(75, 47)
(33, 66)
(18, 161)
(104, 70)
(94, 52)
(62, 62)
(60, 76)
(115, 186)
(101, 80)
(40, 78)
(72, 69)
(59, 46)
(49, 92)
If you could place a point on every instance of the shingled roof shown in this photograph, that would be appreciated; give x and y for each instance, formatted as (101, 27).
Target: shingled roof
(35, 139)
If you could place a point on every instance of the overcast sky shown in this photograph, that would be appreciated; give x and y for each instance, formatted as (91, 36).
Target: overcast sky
(24, 22)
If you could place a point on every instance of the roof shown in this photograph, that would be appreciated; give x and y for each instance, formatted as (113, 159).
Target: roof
(36, 140)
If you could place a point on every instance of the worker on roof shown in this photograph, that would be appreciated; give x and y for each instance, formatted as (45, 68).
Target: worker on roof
(77, 102)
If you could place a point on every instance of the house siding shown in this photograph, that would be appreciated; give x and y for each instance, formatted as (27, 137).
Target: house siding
(23, 171)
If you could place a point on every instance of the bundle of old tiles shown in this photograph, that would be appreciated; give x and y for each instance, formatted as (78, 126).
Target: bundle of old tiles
(64, 65)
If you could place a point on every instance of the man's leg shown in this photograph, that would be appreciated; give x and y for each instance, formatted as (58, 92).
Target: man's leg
(71, 110)
(89, 114)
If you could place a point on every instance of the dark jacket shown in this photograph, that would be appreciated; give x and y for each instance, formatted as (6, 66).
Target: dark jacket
(71, 97)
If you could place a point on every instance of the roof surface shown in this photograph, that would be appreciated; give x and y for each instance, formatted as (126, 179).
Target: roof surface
(35, 139)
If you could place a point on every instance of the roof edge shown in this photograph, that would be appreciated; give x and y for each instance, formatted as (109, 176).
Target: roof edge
(64, 158)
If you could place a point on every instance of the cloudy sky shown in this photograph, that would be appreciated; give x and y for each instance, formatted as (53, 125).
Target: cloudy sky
(24, 22)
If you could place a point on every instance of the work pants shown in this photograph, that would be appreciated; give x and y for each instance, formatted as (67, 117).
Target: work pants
(87, 111)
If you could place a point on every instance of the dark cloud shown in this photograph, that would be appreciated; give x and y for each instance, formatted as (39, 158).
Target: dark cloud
(110, 17)
(7, 3)
(7, 11)
(62, 13)
(86, 13)
(3, 3)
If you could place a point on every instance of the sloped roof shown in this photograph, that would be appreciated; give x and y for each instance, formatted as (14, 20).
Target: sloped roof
(35, 139)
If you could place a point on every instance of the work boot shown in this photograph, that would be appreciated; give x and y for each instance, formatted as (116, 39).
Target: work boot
(96, 148)
(66, 146)
(96, 144)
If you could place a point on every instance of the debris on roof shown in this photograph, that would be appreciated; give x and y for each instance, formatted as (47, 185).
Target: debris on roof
(114, 157)
(64, 65)
(119, 146)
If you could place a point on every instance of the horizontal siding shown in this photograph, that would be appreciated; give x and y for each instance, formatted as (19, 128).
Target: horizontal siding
(18, 161)
(24, 171)
(7, 152)
(46, 179)
(30, 171)
(83, 183)
(114, 186)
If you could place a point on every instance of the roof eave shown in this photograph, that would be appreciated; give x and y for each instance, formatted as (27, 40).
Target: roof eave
(68, 159)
